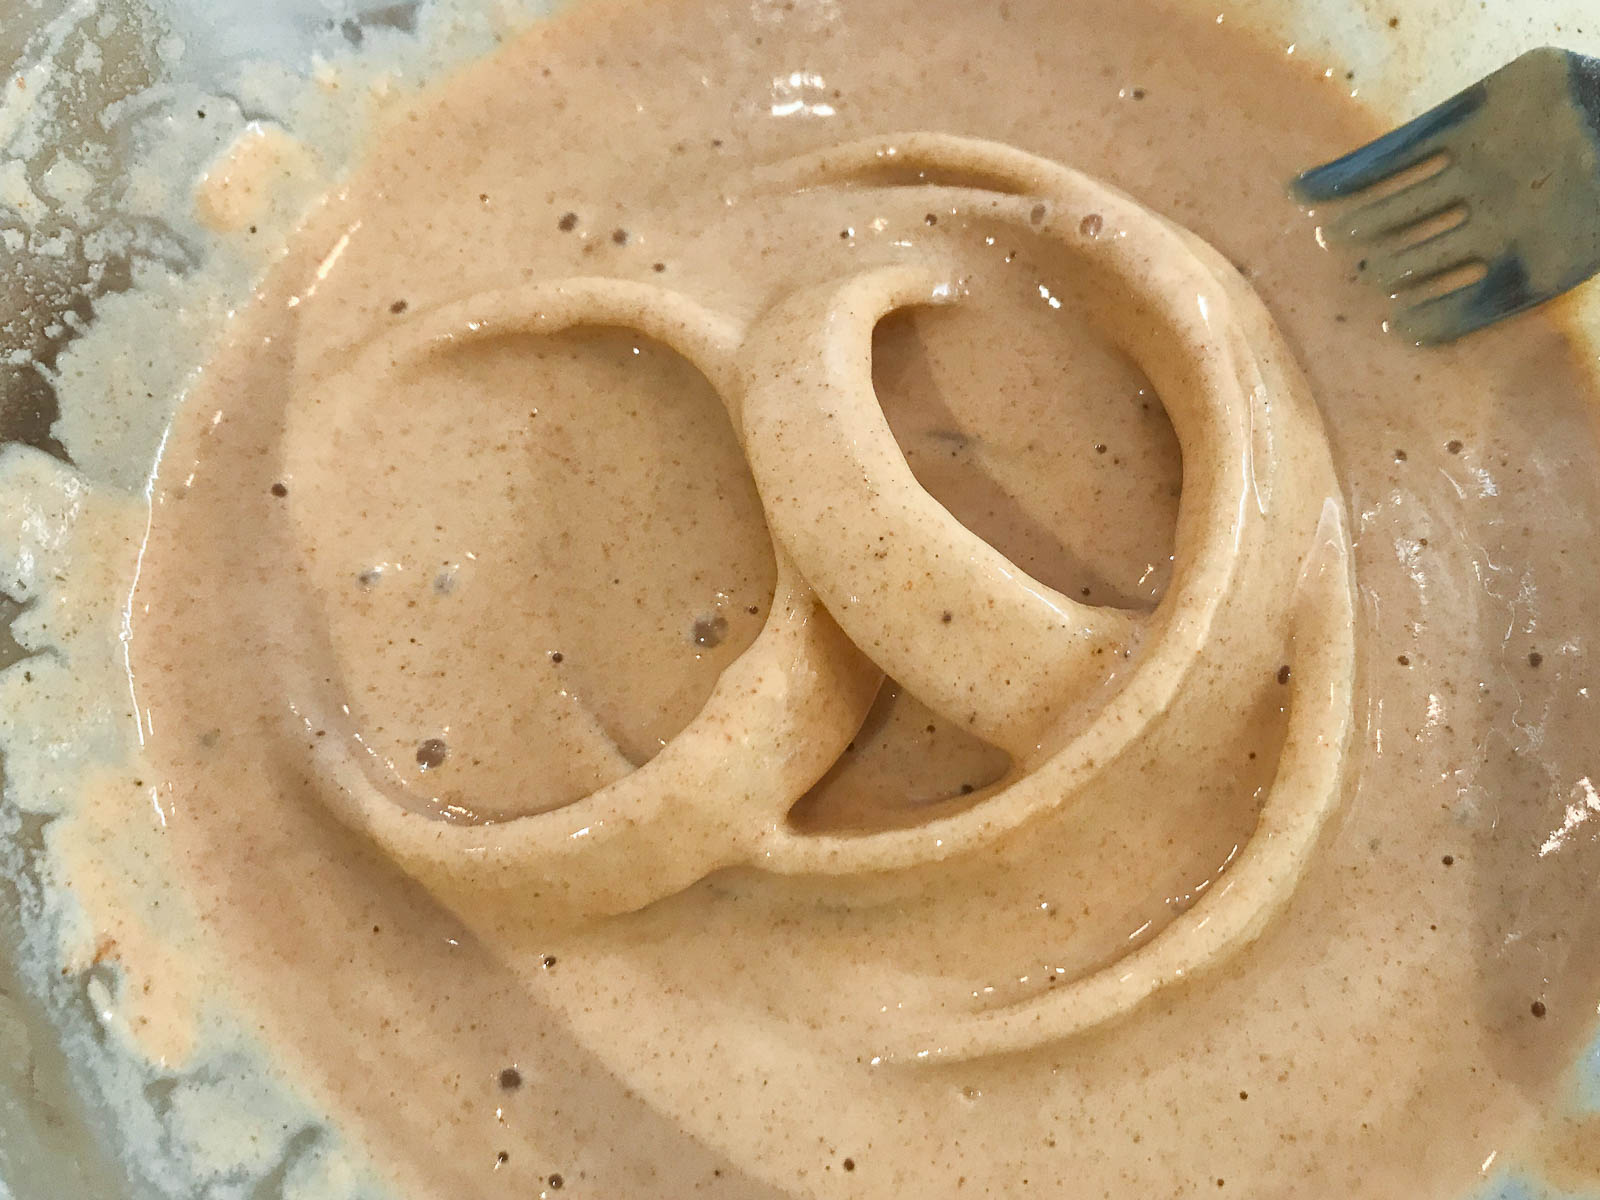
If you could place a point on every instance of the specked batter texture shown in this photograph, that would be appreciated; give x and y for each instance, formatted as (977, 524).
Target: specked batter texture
(520, 567)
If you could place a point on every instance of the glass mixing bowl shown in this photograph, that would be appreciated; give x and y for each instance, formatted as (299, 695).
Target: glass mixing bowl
(82, 106)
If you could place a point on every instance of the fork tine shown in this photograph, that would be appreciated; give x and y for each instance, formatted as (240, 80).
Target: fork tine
(1430, 257)
(1429, 197)
(1390, 154)
(1501, 292)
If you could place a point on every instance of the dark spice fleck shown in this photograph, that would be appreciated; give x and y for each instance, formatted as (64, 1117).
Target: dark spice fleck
(1404, 660)
(1399, 456)
(1535, 659)
(1036, 215)
(432, 753)
(279, 490)
(967, 789)
(370, 577)
(931, 219)
(846, 234)
(1283, 673)
(1449, 860)
(1453, 445)
(556, 656)
(619, 236)
(1244, 1095)
(658, 267)
(1138, 93)
(1394, 22)
(849, 1164)
(502, 1159)
(947, 617)
(753, 609)
(568, 222)
(1099, 447)
(510, 1079)
(556, 1183)
(549, 961)
(398, 307)
(1538, 1009)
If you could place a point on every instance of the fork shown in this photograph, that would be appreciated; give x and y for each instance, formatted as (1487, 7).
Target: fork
(1483, 206)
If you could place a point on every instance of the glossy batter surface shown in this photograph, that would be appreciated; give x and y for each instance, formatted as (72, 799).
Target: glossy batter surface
(485, 539)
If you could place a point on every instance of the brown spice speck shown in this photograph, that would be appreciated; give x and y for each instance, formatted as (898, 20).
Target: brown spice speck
(1454, 445)
(510, 1079)
(431, 753)
(568, 222)
(619, 236)
(947, 617)
(1283, 673)
(398, 307)
(556, 1183)
(849, 1164)
(1535, 659)
(1404, 660)
(279, 490)
(1449, 860)
(1538, 1009)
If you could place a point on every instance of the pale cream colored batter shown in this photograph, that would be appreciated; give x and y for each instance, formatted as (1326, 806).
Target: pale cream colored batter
(488, 709)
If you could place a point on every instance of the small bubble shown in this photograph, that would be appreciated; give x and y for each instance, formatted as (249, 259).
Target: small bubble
(1037, 214)
(444, 583)
(710, 630)
(371, 577)
(432, 753)
(1091, 225)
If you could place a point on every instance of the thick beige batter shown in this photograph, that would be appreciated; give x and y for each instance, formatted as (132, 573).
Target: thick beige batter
(519, 567)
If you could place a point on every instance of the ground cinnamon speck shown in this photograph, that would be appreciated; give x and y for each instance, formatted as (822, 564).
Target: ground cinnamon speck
(568, 222)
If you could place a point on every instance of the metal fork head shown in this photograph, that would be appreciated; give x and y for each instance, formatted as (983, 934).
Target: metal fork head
(1484, 206)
